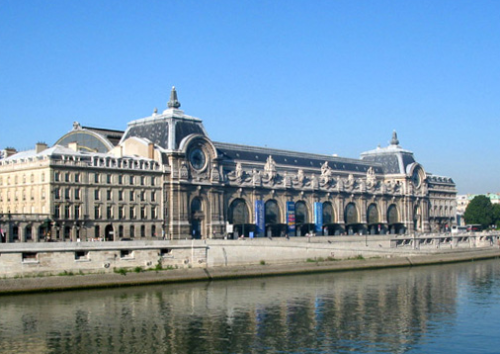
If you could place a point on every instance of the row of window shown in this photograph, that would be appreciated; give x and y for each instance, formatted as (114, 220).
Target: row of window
(24, 179)
(110, 212)
(65, 232)
(74, 212)
(141, 195)
(105, 178)
(24, 196)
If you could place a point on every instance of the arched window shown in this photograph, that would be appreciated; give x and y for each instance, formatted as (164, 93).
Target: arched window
(372, 214)
(351, 214)
(392, 215)
(272, 212)
(195, 205)
(238, 212)
(300, 213)
(328, 214)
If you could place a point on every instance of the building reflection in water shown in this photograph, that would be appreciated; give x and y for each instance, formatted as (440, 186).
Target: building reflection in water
(364, 311)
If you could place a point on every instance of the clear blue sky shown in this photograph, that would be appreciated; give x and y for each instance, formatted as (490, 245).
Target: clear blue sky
(315, 76)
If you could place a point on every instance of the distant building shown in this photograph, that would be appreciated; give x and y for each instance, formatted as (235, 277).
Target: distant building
(463, 201)
(164, 177)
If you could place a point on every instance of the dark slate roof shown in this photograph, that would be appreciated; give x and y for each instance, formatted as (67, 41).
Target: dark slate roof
(251, 154)
(156, 132)
(394, 158)
(439, 179)
(183, 129)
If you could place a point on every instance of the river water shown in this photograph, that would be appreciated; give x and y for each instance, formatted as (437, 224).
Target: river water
(435, 309)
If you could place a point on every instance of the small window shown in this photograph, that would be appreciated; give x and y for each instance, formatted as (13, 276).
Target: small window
(77, 177)
(165, 252)
(29, 256)
(81, 255)
(126, 254)
(96, 178)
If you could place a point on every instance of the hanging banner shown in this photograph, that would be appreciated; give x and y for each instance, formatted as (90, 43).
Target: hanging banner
(318, 217)
(260, 217)
(290, 217)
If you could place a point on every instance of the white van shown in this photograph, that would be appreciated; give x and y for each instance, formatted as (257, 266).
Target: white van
(458, 229)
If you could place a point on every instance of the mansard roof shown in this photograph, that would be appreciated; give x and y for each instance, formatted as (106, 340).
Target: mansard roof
(166, 129)
(393, 158)
(252, 154)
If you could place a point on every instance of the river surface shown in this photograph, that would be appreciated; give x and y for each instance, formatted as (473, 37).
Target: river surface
(434, 309)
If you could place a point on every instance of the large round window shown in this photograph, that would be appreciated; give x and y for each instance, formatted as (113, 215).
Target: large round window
(197, 159)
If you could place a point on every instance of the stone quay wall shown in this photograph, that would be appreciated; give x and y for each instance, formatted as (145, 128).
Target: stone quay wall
(38, 259)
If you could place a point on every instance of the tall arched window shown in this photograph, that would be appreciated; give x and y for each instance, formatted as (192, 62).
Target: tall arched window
(392, 215)
(351, 214)
(328, 214)
(300, 213)
(372, 214)
(272, 212)
(238, 212)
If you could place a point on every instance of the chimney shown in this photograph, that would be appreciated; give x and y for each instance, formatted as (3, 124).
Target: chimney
(151, 151)
(73, 146)
(39, 147)
(9, 152)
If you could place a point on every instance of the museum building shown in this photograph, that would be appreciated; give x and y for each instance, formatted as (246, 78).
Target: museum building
(163, 177)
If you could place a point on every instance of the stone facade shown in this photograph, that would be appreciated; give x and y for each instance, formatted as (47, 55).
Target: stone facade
(164, 177)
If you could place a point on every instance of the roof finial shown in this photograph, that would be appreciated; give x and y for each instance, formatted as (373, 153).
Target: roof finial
(394, 140)
(173, 103)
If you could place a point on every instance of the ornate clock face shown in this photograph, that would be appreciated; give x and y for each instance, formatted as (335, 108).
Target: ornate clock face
(197, 159)
(416, 179)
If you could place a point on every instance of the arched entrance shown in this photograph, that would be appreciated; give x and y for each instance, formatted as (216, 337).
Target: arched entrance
(109, 233)
(197, 217)
(351, 218)
(394, 223)
(329, 225)
(272, 219)
(239, 216)
(302, 226)
(372, 218)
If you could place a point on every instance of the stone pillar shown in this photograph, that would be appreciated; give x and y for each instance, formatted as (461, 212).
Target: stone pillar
(21, 230)
(179, 216)
(216, 217)
(340, 207)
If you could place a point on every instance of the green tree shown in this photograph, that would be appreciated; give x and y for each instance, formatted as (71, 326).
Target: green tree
(479, 211)
(496, 215)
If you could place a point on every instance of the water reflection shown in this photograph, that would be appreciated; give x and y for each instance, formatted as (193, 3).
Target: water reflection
(374, 311)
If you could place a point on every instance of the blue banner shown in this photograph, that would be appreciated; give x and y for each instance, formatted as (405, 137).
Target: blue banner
(260, 217)
(318, 217)
(290, 217)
